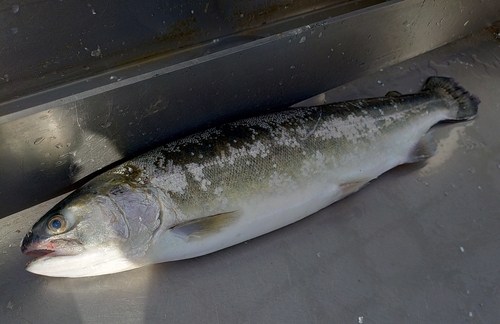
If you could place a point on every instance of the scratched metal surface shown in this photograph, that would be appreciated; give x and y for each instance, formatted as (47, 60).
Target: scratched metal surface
(418, 245)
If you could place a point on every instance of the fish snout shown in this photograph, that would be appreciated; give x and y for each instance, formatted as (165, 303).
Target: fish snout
(30, 246)
(27, 240)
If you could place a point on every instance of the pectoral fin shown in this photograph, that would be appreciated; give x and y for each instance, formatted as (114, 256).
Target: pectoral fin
(205, 226)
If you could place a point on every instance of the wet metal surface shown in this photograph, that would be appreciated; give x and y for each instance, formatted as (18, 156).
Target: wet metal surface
(418, 245)
(52, 139)
(74, 39)
(111, 33)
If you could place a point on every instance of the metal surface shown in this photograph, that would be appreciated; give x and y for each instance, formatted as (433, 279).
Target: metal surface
(74, 39)
(418, 245)
(49, 140)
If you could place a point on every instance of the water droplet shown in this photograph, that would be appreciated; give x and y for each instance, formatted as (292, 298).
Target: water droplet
(280, 82)
(86, 67)
(38, 140)
(96, 52)
(303, 39)
(15, 8)
(47, 154)
(93, 11)
(59, 163)
(68, 144)
(462, 249)
(14, 30)
(106, 125)
(6, 77)
(292, 67)
(59, 145)
(112, 77)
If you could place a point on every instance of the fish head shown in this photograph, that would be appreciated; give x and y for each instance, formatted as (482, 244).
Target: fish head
(103, 227)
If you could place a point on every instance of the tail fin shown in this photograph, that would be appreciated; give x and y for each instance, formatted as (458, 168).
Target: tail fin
(467, 103)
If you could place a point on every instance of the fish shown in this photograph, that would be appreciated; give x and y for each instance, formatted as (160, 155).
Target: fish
(232, 183)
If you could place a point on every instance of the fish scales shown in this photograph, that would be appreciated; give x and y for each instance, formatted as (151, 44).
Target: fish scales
(237, 181)
(277, 151)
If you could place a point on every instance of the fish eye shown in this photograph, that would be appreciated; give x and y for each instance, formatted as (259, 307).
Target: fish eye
(57, 224)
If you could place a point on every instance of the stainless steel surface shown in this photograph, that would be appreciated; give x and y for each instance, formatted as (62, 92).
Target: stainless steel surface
(75, 39)
(52, 139)
(418, 245)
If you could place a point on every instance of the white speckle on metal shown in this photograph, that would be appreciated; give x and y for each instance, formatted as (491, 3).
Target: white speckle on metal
(96, 52)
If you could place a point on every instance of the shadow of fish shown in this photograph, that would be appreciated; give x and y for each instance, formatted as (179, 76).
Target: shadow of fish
(232, 183)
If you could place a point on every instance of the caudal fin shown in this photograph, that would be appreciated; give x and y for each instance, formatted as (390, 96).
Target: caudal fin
(466, 102)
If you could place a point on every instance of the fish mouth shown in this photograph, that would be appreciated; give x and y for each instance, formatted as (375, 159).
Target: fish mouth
(38, 253)
(48, 249)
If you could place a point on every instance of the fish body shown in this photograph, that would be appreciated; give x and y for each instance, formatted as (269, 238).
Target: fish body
(237, 181)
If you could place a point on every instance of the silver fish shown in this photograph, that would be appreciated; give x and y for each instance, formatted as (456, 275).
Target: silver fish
(232, 183)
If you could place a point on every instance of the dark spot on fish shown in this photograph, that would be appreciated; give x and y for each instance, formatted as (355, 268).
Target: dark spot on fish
(116, 191)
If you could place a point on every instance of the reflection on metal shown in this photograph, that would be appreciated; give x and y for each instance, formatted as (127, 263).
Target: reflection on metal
(110, 33)
(53, 138)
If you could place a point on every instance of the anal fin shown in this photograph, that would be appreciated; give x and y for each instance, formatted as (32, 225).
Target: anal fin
(205, 226)
(348, 188)
(424, 149)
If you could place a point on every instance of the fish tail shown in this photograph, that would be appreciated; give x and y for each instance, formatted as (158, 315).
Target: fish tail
(466, 103)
